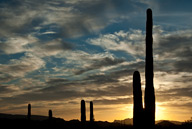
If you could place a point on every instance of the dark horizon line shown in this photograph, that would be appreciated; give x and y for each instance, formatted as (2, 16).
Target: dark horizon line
(46, 116)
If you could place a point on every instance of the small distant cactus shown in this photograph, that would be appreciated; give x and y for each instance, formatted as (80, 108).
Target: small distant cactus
(83, 111)
(91, 112)
(50, 115)
(29, 112)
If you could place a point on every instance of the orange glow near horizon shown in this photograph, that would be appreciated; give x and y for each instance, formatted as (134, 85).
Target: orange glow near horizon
(124, 111)
(162, 113)
(159, 112)
(113, 112)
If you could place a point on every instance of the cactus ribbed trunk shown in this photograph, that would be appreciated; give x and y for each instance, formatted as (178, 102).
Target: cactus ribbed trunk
(50, 115)
(137, 100)
(149, 88)
(83, 111)
(29, 112)
(91, 112)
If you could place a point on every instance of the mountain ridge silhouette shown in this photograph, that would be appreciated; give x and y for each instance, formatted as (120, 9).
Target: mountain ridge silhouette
(129, 121)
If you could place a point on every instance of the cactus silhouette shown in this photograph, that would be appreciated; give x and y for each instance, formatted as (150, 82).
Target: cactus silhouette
(50, 114)
(137, 100)
(83, 111)
(29, 112)
(91, 112)
(149, 88)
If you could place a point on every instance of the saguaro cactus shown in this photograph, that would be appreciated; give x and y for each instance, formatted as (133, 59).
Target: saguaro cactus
(149, 88)
(83, 111)
(50, 115)
(137, 100)
(29, 112)
(91, 112)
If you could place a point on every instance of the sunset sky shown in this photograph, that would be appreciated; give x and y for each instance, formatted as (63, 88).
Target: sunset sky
(54, 53)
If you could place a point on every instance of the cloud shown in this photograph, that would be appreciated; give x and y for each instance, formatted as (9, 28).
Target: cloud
(72, 19)
(60, 89)
(33, 53)
(84, 63)
(4, 77)
(113, 101)
(174, 50)
(84, 19)
(50, 48)
(17, 44)
(6, 89)
(184, 64)
(53, 81)
(174, 40)
(175, 93)
(24, 15)
(131, 42)
(100, 63)
(20, 67)
(33, 45)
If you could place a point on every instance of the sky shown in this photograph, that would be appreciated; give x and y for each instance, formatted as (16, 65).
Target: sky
(54, 53)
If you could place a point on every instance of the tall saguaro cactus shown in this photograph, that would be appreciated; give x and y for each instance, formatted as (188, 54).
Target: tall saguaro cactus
(91, 112)
(149, 88)
(137, 100)
(83, 111)
(29, 112)
(50, 115)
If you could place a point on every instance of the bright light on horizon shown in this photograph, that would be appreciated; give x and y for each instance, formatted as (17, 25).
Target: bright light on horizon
(159, 113)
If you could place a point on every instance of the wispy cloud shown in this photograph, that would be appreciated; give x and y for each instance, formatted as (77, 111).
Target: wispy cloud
(131, 42)
(20, 67)
(74, 18)
(17, 44)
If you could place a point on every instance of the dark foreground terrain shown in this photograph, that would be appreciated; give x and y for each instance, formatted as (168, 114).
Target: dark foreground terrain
(57, 123)
(43, 122)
